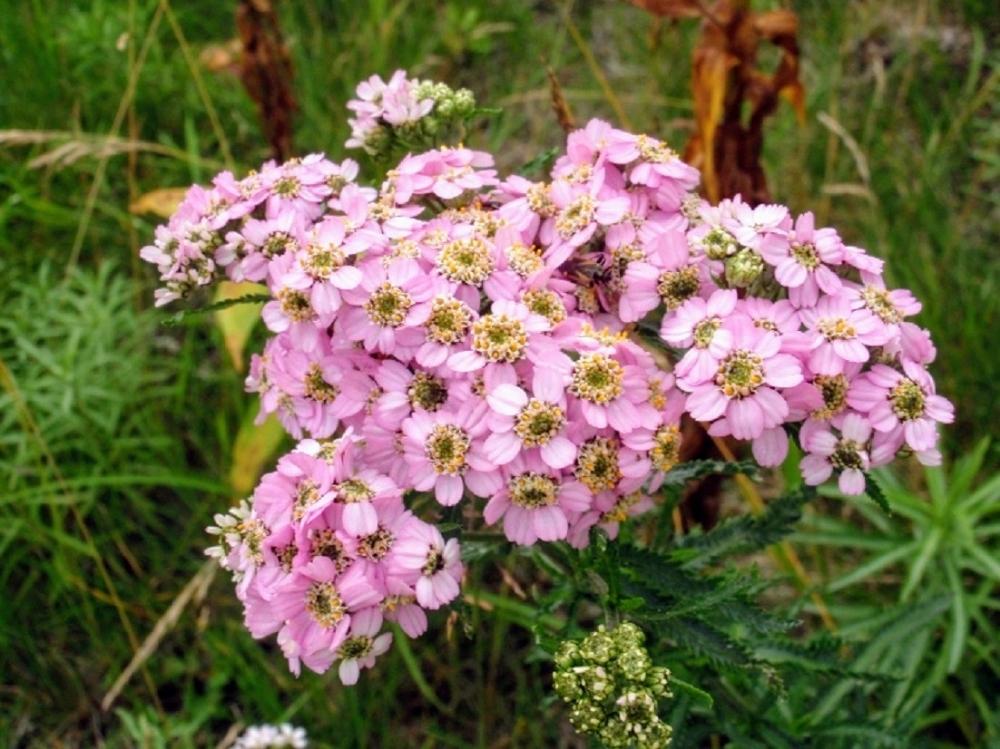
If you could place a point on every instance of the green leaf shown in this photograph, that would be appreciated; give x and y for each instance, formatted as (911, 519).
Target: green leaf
(928, 548)
(696, 469)
(700, 696)
(959, 630)
(873, 565)
(179, 317)
(541, 163)
(748, 533)
(873, 490)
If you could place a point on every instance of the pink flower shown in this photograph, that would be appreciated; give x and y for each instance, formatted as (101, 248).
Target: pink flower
(847, 454)
(248, 251)
(750, 224)
(320, 267)
(400, 606)
(609, 384)
(380, 307)
(436, 564)
(840, 334)
(300, 484)
(530, 423)
(535, 503)
(669, 277)
(323, 386)
(579, 212)
(443, 453)
(298, 186)
(361, 647)
(744, 389)
(315, 605)
(445, 173)
(698, 325)
(889, 306)
(904, 404)
(800, 260)
(778, 318)
(505, 336)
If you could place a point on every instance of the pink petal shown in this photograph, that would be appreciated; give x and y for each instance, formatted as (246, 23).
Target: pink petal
(852, 482)
(782, 371)
(502, 447)
(771, 447)
(558, 452)
(745, 418)
(815, 469)
(550, 523)
(507, 399)
(448, 490)
(707, 403)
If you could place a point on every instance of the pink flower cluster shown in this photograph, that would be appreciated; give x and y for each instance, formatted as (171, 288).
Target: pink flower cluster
(396, 102)
(327, 551)
(782, 324)
(463, 336)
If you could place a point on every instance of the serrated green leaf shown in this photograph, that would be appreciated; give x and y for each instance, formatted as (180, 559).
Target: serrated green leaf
(700, 696)
(873, 490)
(179, 317)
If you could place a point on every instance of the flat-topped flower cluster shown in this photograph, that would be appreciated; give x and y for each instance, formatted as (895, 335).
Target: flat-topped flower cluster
(469, 336)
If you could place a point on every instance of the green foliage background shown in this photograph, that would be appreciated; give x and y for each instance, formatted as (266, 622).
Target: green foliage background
(117, 434)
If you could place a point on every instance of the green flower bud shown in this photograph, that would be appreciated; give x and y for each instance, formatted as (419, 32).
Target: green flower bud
(377, 141)
(598, 647)
(567, 654)
(430, 124)
(612, 688)
(596, 681)
(629, 634)
(719, 244)
(567, 685)
(658, 682)
(441, 91)
(634, 663)
(743, 268)
(465, 102)
(586, 717)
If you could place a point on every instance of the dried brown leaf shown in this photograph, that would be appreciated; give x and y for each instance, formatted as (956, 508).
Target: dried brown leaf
(224, 56)
(559, 104)
(266, 72)
(670, 8)
(727, 144)
(162, 202)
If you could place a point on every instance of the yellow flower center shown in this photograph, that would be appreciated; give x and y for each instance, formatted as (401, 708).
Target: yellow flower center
(533, 490)
(538, 423)
(597, 464)
(446, 447)
(325, 605)
(499, 338)
(597, 378)
(388, 305)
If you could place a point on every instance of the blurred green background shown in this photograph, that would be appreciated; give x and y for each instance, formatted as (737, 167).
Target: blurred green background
(118, 436)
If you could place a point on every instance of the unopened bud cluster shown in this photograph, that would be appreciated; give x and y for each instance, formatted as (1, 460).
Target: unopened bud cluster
(406, 111)
(612, 688)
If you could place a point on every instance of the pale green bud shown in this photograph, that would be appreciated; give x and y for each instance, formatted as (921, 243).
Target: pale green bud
(598, 647)
(743, 268)
(719, 244)
(465, 102)
(633, 663)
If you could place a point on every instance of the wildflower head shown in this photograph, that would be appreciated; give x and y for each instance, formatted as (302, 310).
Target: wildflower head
(499, 338)
(597, 378)
(612, 688)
